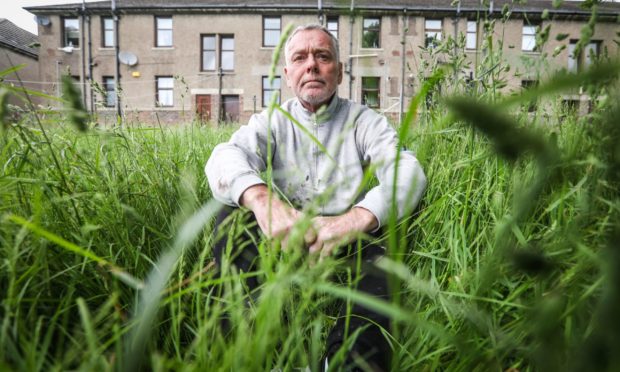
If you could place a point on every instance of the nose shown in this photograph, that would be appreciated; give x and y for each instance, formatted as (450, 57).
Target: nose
(311, 64)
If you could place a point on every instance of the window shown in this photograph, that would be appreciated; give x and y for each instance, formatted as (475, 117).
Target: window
(163, 26)
(528, 42)
(432, 32)
(570, 107)
(591, 53)
(573, 60)
(208, 52)
(165, 85)
(230, 108)
(371, 33)
(530, 84)
(107, 32)
(270, 89)
(271, 31)
(370, 91)
(109, 87)
(332, 26)
(227, 56)
(586, 57)
(471, 41)
(71, 32)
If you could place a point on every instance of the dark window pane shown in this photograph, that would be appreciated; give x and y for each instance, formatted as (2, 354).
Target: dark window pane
(371, 33)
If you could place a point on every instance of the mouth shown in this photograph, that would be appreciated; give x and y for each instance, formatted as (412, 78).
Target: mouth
(313, 82)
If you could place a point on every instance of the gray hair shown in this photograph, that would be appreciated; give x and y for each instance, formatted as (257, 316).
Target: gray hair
(311, 27)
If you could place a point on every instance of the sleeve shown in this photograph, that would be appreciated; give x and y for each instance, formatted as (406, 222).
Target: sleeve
(377, 142)
(236, 165)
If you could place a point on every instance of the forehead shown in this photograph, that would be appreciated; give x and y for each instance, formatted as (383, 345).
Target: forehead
(309, 40)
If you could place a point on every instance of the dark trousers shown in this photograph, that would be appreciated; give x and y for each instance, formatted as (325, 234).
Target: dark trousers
(370, 344)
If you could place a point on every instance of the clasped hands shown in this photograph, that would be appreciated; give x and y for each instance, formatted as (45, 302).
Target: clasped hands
(324, 234)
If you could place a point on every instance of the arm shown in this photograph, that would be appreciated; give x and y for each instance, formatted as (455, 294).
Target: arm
(274, 217)
(235, 165)
(378, 143)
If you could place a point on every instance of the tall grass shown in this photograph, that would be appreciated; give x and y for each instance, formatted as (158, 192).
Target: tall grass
(510, 262)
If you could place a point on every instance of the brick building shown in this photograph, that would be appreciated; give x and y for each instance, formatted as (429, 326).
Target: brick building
(208, 59)
(19, 47)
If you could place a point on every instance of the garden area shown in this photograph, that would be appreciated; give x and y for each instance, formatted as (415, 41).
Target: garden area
(511, 262)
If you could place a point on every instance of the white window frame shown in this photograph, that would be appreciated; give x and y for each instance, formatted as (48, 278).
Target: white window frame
(164, 88)
(433, 30)
(161, 30)
(528, 38)
(471, 38)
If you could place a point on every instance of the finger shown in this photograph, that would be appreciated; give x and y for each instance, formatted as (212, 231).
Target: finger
(316, 247)
(310, 236)
(326, 251)
(284, 243)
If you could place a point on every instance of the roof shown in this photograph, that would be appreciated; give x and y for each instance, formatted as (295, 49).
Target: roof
(567, 8)
(18, 39)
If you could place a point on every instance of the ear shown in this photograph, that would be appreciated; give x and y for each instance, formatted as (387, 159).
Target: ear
(288, 81)
(340, 74)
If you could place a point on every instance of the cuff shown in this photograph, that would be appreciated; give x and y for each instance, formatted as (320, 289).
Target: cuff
(241, 184)
(375, 205)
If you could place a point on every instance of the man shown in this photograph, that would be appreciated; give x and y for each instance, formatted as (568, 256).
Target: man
(318, 162)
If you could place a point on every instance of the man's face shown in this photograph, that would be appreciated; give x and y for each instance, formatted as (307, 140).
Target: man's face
(312, 71)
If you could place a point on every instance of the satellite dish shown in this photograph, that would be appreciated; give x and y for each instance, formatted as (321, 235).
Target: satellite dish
(43, 20)
(128, 58)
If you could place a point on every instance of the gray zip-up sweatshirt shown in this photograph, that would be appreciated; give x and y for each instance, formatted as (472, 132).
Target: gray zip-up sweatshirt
(326, 177)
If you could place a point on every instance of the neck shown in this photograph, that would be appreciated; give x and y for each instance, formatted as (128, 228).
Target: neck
(314, 108)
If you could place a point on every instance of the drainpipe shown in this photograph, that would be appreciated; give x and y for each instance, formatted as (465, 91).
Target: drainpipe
(320, 9)
(220, 105)
(402, 68)
(117, 74)
(58, 82)
(456, 35)
(89, 59)
(350, 69)
(83, 54)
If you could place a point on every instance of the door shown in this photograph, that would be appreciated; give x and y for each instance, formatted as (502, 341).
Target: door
(203, 107)
(230, 108)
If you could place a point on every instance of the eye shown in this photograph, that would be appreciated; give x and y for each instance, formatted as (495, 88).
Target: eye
(298, 58)
(323, 56)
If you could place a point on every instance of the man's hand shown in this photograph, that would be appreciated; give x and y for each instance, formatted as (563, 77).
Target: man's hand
(339, 230)
(282, 218)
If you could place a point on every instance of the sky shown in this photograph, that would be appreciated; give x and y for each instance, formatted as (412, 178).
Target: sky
(12, 10)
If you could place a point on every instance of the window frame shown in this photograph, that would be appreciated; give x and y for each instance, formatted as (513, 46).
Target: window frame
(377, 90)
(371, 29)
(332, 20)
(157, 29)
(222, 51)
(587, 61)
(265, 30)
(166, 89)
(469, 32)
(532, 35)
(107, 82)
(203, 50)
(582, 61)
(264, 89)
(64, 41)
(105, 30)
(437, 33)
